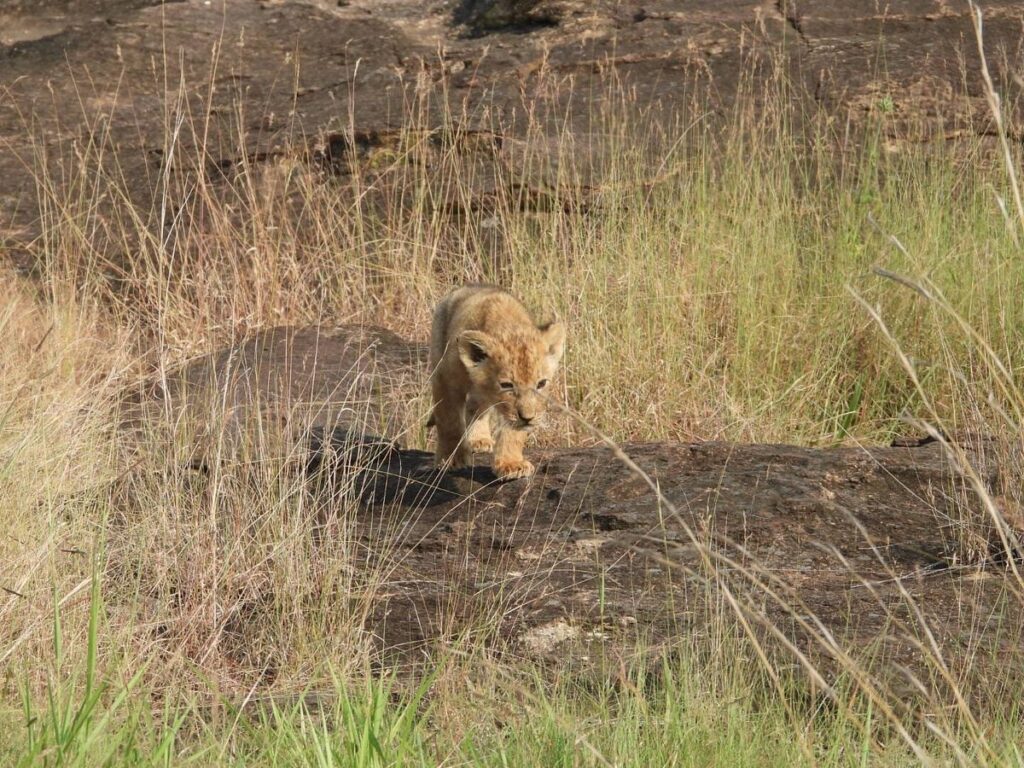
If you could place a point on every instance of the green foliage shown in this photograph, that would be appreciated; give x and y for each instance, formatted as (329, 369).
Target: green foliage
(678, 715)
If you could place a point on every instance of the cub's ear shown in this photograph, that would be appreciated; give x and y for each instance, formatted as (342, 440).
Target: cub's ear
(474, 347)
(553, 333)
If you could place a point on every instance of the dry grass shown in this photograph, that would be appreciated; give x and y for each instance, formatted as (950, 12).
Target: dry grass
(702, 270)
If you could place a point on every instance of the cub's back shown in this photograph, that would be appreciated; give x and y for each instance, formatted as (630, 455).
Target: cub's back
(473, 307)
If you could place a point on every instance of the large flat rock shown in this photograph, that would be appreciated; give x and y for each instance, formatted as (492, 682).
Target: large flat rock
(584, 561)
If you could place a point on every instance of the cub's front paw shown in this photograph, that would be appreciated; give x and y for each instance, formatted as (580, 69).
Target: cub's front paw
(481, 445)
(457, 460)
(511, 470)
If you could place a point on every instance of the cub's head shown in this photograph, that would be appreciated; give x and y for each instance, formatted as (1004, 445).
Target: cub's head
(511, 372)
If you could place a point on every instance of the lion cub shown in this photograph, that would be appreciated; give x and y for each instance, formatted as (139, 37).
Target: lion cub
(490, 364)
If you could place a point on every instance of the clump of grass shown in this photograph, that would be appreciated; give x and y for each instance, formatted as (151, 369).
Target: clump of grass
(701, 266)
(968, 396)
(706, 703)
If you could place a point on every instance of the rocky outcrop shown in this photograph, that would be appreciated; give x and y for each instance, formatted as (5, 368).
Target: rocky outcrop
(79, 74)
(849, 547)
(521, 15)
(288, 385)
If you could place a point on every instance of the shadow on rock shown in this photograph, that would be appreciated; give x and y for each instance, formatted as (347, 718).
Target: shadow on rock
(379, 473)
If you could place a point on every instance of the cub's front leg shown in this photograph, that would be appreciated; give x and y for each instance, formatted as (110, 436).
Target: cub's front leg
(479, 435)
(509, 463)
(449, 420)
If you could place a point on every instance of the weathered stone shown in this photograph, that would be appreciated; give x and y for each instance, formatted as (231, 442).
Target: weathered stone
(285, 384)
(500, 14)
(586, 555)
(90, 71)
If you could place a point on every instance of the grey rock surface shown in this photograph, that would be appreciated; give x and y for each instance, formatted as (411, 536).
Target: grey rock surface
(78, 74)
(285, 384)
(583, 562)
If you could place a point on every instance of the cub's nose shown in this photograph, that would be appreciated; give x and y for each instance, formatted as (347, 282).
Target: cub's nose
(525, 419)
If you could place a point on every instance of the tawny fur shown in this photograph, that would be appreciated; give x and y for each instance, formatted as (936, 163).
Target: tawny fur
(483, 338)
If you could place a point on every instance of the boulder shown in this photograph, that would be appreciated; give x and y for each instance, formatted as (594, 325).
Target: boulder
(838, 550)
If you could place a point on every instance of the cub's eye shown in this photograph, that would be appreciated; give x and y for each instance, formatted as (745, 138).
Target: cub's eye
(506, 386)
(542, 383)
